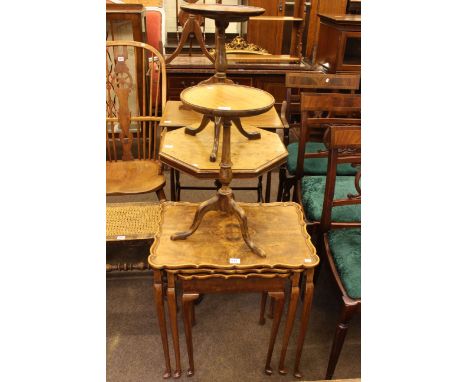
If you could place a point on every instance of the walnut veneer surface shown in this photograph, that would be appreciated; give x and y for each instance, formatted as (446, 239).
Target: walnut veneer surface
(218, 239)
(227, 100)
(174, 116)
(250, 158)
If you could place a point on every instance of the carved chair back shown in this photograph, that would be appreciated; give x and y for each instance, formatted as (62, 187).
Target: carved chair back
(135, 98)
(344, 146)
(318, 112)
(318, 82)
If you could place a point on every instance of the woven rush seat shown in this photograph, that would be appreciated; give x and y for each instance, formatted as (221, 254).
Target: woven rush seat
(132, 221)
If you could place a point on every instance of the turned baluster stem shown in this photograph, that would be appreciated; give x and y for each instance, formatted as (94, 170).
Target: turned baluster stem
(221, 60)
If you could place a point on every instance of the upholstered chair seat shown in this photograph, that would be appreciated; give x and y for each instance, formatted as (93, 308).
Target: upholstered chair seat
(314, 166)
(345, 247)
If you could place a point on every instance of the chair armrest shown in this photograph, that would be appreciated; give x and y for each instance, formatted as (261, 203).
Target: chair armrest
(283, 115)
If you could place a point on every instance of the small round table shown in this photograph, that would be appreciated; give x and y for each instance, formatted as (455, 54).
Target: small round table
(222, 15)
(226, 103)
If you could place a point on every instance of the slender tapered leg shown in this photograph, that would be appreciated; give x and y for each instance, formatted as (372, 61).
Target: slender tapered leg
(204, 122)
(240, 214)
(272, 308)
(217, 129)
(187, 305)
(171, 302)
(261, 321)
(347, 313)
(192, 314)
(309, 290)
(279, 297)
(159, 301)
(247, 134)
(208, 205)
(289, 321)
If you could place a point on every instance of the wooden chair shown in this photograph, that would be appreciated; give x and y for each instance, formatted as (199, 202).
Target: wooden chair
(340, 238)
(318, 111)
(136, 92)
(290, 116)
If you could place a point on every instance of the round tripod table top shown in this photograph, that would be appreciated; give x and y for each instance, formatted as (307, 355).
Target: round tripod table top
(227, 100)
(220, 11)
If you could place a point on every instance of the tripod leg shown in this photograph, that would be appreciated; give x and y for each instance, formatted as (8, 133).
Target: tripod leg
(240, 214)
(203, 124)
(253, 135)
(188, 27)
(209, 205)
(217, 129)
(199, 35)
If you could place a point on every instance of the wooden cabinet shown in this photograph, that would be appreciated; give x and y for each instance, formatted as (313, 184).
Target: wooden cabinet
(186, 71)
(339, 45)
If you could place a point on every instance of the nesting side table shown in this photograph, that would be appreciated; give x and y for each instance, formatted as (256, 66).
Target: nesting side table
(217, 260)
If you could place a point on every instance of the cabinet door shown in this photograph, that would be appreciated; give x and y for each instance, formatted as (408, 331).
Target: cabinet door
(267, 34)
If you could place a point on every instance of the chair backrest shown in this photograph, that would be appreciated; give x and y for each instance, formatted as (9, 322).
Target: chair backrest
(343, 146)
(296, 82)
(318, 112)
(135, 98)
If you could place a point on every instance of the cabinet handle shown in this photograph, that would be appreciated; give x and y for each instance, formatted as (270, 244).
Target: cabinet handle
(280, 6)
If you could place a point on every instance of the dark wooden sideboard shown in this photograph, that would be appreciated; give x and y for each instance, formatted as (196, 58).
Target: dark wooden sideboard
(186, 71)
(339, 43)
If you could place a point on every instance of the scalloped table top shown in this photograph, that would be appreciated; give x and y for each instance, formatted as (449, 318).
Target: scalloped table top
(278, 228)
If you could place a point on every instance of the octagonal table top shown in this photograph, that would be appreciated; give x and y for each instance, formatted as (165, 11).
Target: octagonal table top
(250, 158)
(227, 100)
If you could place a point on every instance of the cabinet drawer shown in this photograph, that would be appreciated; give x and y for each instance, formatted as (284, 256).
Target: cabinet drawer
(183, 82)
(246, 81)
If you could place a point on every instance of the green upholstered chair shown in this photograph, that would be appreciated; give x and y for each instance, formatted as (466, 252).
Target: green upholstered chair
(320, 112)
(335, 201)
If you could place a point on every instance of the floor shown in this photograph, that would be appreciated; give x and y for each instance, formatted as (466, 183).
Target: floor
(229, 344)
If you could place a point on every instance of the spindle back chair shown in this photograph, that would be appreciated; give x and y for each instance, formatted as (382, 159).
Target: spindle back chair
(135, 98)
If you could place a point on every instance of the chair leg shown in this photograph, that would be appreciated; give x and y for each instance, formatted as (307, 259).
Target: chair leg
(173, 192)
(288, 184)
(260, 189)
(282, 178)
(346, 314)
(161, 195)
(177, 187)
(268, 187)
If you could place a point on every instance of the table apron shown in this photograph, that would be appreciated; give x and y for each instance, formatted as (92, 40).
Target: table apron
(234, 285)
